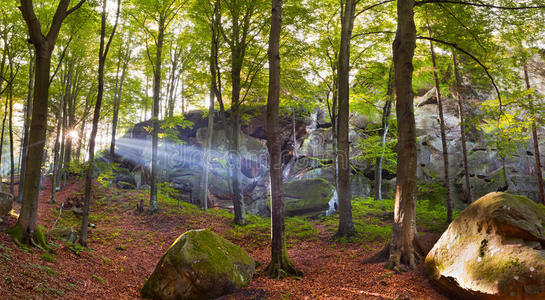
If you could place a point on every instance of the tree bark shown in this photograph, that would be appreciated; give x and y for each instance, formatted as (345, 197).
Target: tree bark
(28, 112)
(213, 91)
(155, 118)
(536, 140)
(102, 54)
(11, 156)
(2, 140)
(117, 96)
(469, 192)
(402, 249)
(443, 132)
(44, 45)
(346, 225)
(56, 157)
(280, 264)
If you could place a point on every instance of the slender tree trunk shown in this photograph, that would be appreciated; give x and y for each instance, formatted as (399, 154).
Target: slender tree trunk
(117, 97)
(280, 264)
(28, 112)
(11, 156)
(213, 87)
(346, 225)
(155, 119)
(238, 198)
(402, 249)
(56, 157)
(2, 65)
(386, 111)
(103, 52)
(442, 127)
(2, 141)
(536, 140)
(469, 192)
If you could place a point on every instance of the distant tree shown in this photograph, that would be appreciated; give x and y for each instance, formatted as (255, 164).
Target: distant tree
(102, 55)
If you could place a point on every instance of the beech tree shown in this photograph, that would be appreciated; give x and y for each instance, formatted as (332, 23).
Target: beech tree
(43, 43)
(280, 264)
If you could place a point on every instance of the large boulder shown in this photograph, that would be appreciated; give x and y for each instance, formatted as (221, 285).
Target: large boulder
(6, 202)
(307, 196)
(493, 250)
(199, 265)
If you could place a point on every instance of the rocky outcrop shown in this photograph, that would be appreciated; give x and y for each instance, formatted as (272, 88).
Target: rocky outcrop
(495, 249)
(307, 196)
(199, 265)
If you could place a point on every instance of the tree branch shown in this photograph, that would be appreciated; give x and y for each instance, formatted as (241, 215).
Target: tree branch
(453, 45)
(418, 3)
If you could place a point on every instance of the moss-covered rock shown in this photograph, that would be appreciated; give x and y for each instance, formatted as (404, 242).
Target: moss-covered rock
(307, 196)
(493, 250)
(199, 265)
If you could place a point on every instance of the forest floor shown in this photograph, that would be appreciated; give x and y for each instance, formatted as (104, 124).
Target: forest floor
(125, 247)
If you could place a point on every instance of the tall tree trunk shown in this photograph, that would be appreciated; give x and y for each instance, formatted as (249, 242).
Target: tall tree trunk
(213, 92)
(117, 97)
(238, 198)
(346, 225)
(56, 155)
(28, 218)
(280, 264)
(2, 140)
(386, 111)
(26, 129)
(155, 119)
(536, 140)
(469, 192)
(2, 65)
(443, 132)
(402, 249)
(102, 54)
(44, 45)
(11, 156)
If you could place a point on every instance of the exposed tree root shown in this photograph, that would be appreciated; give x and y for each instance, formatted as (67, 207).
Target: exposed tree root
(399, 260)
(35, 239)
(282, 267)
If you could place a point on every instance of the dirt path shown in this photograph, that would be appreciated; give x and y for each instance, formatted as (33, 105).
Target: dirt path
(126, 246)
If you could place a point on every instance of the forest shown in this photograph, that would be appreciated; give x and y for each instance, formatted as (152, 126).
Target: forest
(253, 149)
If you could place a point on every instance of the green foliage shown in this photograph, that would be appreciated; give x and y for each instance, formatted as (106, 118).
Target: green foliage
(107, 172)
(170, 127)
(372, 149)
